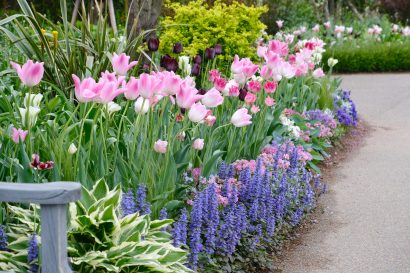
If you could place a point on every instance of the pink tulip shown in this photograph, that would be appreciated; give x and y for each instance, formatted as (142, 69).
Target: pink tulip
(212, 98)
(85, 90)
(254, 86)
(272, 59)
(108, 91)
(270, 87)
(266, 72)
(279, 47)
(318, 73)
(241, 118)
(31, 73)
(255, 109)
(198, 144)
(210, 120)
(213, 75)
(171, 83)
(316, 28)
(250, 98)
(131, 90)
(269, 101)
(327, 24)
(220, 84)
(160, 146)
(121, 63)
(18, 134)
(187, 96)
(149, 85)
(197, 112)
(261, 51)
(279, 23)
(243, 66)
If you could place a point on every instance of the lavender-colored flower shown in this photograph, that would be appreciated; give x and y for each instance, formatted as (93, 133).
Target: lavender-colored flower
(3, 238)
(222, 174)
(163, 214)
(128, 203)
(345, 109)
(195, 230)
(179, 233)
(141, 205)
(296, 216)
(212, 219)
(32, 255)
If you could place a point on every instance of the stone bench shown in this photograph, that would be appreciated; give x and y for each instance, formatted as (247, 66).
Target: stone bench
(53, 199)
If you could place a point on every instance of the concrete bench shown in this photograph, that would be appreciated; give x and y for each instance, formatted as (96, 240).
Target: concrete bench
(53, 199)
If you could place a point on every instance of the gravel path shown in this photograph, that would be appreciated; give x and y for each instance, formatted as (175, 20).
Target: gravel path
(365, 225)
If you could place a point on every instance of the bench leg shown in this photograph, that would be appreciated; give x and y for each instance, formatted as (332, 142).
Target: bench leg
(54, 239)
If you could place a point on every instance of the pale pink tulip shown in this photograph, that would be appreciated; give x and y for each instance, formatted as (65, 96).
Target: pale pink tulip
(318, 73)
(18, 134)
(197, 112)
(171, 83)
(210, 120)
(250, 98)
(316, 28)
(269, 101)
(255, 109)
(241, 118)
(266, 72)
(198, 144)
(243, 66)
(149, 85)
(212, 98)
(131, 90)
(108, 92)
(160, 146)
(327, 24)
(121, 63)
(279, 47)
(261, 51)
(279, 23)
(85, 90)
(187, 96)
(30, 73)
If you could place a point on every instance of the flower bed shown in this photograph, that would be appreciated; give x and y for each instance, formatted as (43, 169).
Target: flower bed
(230, 153)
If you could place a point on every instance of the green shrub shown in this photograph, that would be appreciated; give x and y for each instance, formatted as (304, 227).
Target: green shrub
(198, 26)
(371, 57)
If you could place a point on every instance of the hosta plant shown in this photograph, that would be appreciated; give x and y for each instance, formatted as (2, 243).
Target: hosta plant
(100, 239)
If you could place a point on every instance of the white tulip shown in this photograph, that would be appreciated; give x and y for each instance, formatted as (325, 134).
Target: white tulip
(141, 105)
(32, 100)
(332, 62)
(32, 115)
(113, 107)
(72, 149)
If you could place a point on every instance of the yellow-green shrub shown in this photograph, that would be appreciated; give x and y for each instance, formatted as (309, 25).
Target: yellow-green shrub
(198, 26)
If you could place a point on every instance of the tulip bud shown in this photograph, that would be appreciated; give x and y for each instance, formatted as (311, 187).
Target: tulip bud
(218, 49)
(196, 70)
(209, 53)
(198, 59)
(242, 94)
(169, 63)
(72, 149)
(153, 44)
(141, 105)
(198, 144)
(161, 146)
(177, 48)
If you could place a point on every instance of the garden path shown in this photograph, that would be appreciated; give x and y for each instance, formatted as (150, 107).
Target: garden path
(365, 224)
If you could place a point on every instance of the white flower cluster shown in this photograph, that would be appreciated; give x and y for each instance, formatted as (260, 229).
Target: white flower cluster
(292, 128)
